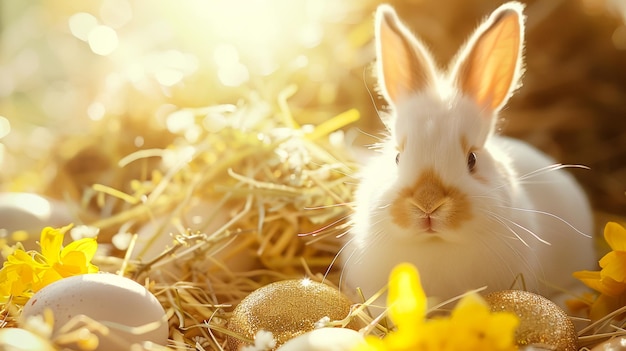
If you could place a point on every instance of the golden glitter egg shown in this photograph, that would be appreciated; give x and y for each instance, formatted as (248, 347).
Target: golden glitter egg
(542, 323)
(615, 344)
(286, 309)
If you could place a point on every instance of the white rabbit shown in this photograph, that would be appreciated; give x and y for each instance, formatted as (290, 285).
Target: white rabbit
(468, 207)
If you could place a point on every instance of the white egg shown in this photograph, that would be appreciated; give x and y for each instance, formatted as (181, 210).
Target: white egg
(324, 339)
(30, 213)
(130, 312)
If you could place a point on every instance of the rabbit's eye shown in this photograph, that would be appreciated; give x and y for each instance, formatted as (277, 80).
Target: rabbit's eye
(471, 161)
(398, 158)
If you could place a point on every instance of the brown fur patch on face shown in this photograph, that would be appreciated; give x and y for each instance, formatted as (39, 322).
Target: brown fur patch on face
(447, 205)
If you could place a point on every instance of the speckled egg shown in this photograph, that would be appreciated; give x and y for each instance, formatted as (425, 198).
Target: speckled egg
(116, 302)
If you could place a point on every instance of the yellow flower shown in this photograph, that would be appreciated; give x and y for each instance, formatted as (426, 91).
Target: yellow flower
(406, 299)
(62, 262)
(17, 274)
(474, 327)
(610, 281)
(470, 326)
(24, 273)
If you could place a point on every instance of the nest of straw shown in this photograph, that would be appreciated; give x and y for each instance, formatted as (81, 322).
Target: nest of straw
(275, 195)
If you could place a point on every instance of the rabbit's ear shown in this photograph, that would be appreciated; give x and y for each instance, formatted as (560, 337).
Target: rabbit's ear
(404, 64)
(489, 68)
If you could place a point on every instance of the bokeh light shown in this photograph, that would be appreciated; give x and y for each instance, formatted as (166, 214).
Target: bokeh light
(102, 40)
(5, 127)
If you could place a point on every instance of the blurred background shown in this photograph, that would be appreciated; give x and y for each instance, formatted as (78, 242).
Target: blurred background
(83, 84)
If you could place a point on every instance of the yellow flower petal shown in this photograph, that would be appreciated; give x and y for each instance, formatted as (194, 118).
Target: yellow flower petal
(51, 242)
(19, 278)
(589, 278)
(5, 283)
(73, 263)
(472, 306)
(501, 330)
(614, 266)
(24, 273)
(19, 257)
(48, 277)
(87, 246)
(475, 327)
(615, 236)
(604, 305)
(470, 326)
(406, 299)
(371, 343)
(604, 285)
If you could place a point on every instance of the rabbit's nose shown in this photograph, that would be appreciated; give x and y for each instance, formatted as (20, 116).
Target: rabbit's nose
(431, 205)
(430, 199)
(429, 193)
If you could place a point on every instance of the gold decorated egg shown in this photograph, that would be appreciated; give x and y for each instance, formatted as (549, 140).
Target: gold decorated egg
(542, 323)
(286, 309)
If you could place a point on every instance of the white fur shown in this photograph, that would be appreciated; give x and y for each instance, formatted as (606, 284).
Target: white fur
(524, 222)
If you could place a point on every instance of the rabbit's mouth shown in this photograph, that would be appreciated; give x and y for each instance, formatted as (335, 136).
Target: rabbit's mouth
(430, 206)
(428, 225)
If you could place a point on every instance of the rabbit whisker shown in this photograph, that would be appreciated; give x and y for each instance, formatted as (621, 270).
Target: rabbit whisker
(521, 257)
(497, 253)
(316, 232)
(346, 263)
(502, 218)
(324, 207)
(380, 139)
(332, 263)
(503, 221)
(522, 179)
(506, 260)
(560, 219)
(550, 168)
(337, 171)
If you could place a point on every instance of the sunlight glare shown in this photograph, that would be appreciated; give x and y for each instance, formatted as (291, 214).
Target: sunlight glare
(254, 37)
(116, 13)
(231, 72)
(5, 127)
(102, 40)
(180, 121)
(81, 24)
(96, 111)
